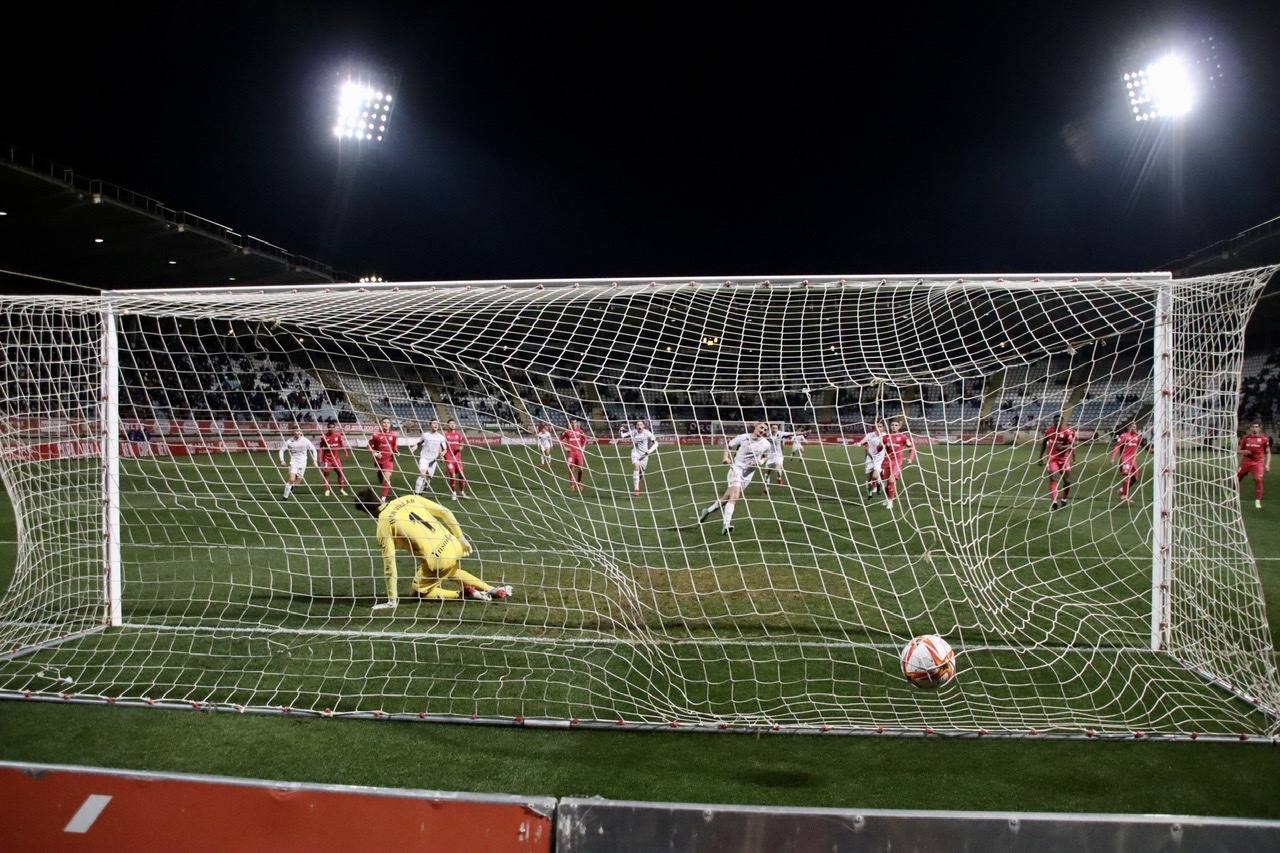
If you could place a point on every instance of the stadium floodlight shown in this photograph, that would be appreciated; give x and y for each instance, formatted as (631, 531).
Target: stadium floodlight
(361, 107)
(1163, 89)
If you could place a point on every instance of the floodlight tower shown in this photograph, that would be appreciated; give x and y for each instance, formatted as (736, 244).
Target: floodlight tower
(363, 111)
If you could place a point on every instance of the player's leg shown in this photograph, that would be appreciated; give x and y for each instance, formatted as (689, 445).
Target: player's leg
(462, 479)
(1066, 481)
(889, 480)
(720, 501)
(385, 473)
(422, 479)
(1054, 476)
(731, 499)
(342, 479)
(1257, 485)
(777, 467)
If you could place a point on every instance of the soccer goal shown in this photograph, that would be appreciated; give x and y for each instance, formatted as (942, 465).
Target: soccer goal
(1039, 470)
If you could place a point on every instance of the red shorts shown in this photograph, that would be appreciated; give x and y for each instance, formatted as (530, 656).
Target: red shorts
(328, 463)
(453, 466)
(1056, 465)
(891, 470)
(577, 459)
(1250, 469)
(1130, 469)
(386, 464)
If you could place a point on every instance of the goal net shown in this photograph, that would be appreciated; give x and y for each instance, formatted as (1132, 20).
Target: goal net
(156, 558)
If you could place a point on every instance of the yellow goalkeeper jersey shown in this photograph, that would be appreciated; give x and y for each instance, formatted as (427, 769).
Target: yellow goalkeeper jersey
(424, 528)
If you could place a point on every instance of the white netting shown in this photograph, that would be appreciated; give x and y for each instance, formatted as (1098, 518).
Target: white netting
(625, 607)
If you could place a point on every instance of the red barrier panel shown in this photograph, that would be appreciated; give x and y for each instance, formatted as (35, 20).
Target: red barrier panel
(66, 808)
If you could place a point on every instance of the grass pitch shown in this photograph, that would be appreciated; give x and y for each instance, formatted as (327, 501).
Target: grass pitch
(812, 564)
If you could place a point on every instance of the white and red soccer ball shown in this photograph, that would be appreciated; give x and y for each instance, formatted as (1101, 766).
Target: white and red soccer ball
(928, 662)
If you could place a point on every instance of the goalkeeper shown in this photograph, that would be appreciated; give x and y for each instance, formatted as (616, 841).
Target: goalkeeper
(431, 534)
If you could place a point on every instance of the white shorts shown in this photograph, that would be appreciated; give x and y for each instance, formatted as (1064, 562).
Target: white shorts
(545, 450)
(427, 467)
(875, 464)
(739, 479)
(774, 460)
(297, 469)
(797, 448)
(641, 459)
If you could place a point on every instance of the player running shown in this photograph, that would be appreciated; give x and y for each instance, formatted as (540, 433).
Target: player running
(298, 447)
(797, 443)
(1060, 443)
(753, 449)
(431, 534)
(574, 442)
(1126, 448)
(454, 442)
(1256, 448)
(896, 443)
(643, 445)
(545, 442)
(873, 444)
(383, 444)
(333, 449)
(431, 445)
(774, 461)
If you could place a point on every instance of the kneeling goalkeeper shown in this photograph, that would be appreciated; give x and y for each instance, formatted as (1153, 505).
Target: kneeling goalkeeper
(432, 535)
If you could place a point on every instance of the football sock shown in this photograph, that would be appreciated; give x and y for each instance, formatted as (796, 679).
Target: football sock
(288, 489)
(417, 488)
(728, 513)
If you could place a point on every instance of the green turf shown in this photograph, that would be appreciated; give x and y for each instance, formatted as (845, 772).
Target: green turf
(861, 576)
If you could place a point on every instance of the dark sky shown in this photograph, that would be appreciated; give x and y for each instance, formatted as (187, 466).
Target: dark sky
(660, 141)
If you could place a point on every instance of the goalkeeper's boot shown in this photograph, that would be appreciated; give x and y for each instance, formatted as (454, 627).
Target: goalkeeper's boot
(387, 605)
(475, 593)
(503, 592)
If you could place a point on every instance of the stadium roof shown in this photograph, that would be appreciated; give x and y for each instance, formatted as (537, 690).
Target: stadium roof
(63, 226)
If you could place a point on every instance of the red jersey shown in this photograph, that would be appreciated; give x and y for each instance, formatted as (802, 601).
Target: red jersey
(895, 443)
(1061, 442)
(1254, 447)
(384, 445)
(1127, 446)
(332, 444)
(454, 441)
(574, 441)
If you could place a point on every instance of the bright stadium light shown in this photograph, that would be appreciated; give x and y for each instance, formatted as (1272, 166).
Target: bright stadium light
(1164, 89)
(360, 108)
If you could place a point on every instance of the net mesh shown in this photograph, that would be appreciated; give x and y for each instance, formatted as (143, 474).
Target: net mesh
(625, 606)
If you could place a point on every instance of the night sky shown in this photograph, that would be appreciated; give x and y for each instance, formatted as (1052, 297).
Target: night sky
(660, 141)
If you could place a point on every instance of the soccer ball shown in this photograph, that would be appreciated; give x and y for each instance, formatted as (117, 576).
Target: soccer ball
(928, 662)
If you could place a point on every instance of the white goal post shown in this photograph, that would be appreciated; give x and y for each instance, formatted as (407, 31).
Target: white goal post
(160, 557)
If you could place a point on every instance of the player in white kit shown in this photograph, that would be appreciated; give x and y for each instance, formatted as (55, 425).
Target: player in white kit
(753, 450)
(797, 443)
(873, 444)
(545, 442)
(431, 449)
(773, 463)
(643, 445)
(298, 447)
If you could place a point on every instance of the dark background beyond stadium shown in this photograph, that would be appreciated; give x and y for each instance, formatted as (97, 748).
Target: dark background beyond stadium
(547, 143)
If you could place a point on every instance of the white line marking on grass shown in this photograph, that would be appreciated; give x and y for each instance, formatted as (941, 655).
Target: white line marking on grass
(88, 813)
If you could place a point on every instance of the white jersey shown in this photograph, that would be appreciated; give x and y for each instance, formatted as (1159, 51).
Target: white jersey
(873, 443)
(298, 449)
(751, 451)
(545, 440)
(797, 440)
(431, 446)
(643, 443)
(776, 442)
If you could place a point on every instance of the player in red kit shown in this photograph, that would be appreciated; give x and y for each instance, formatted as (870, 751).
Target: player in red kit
(383, 444)
(574, 442)
(897, 444)
(1126, 448)
(1256, 448)
(333, 449)
(1060, 444)
(454, 441)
